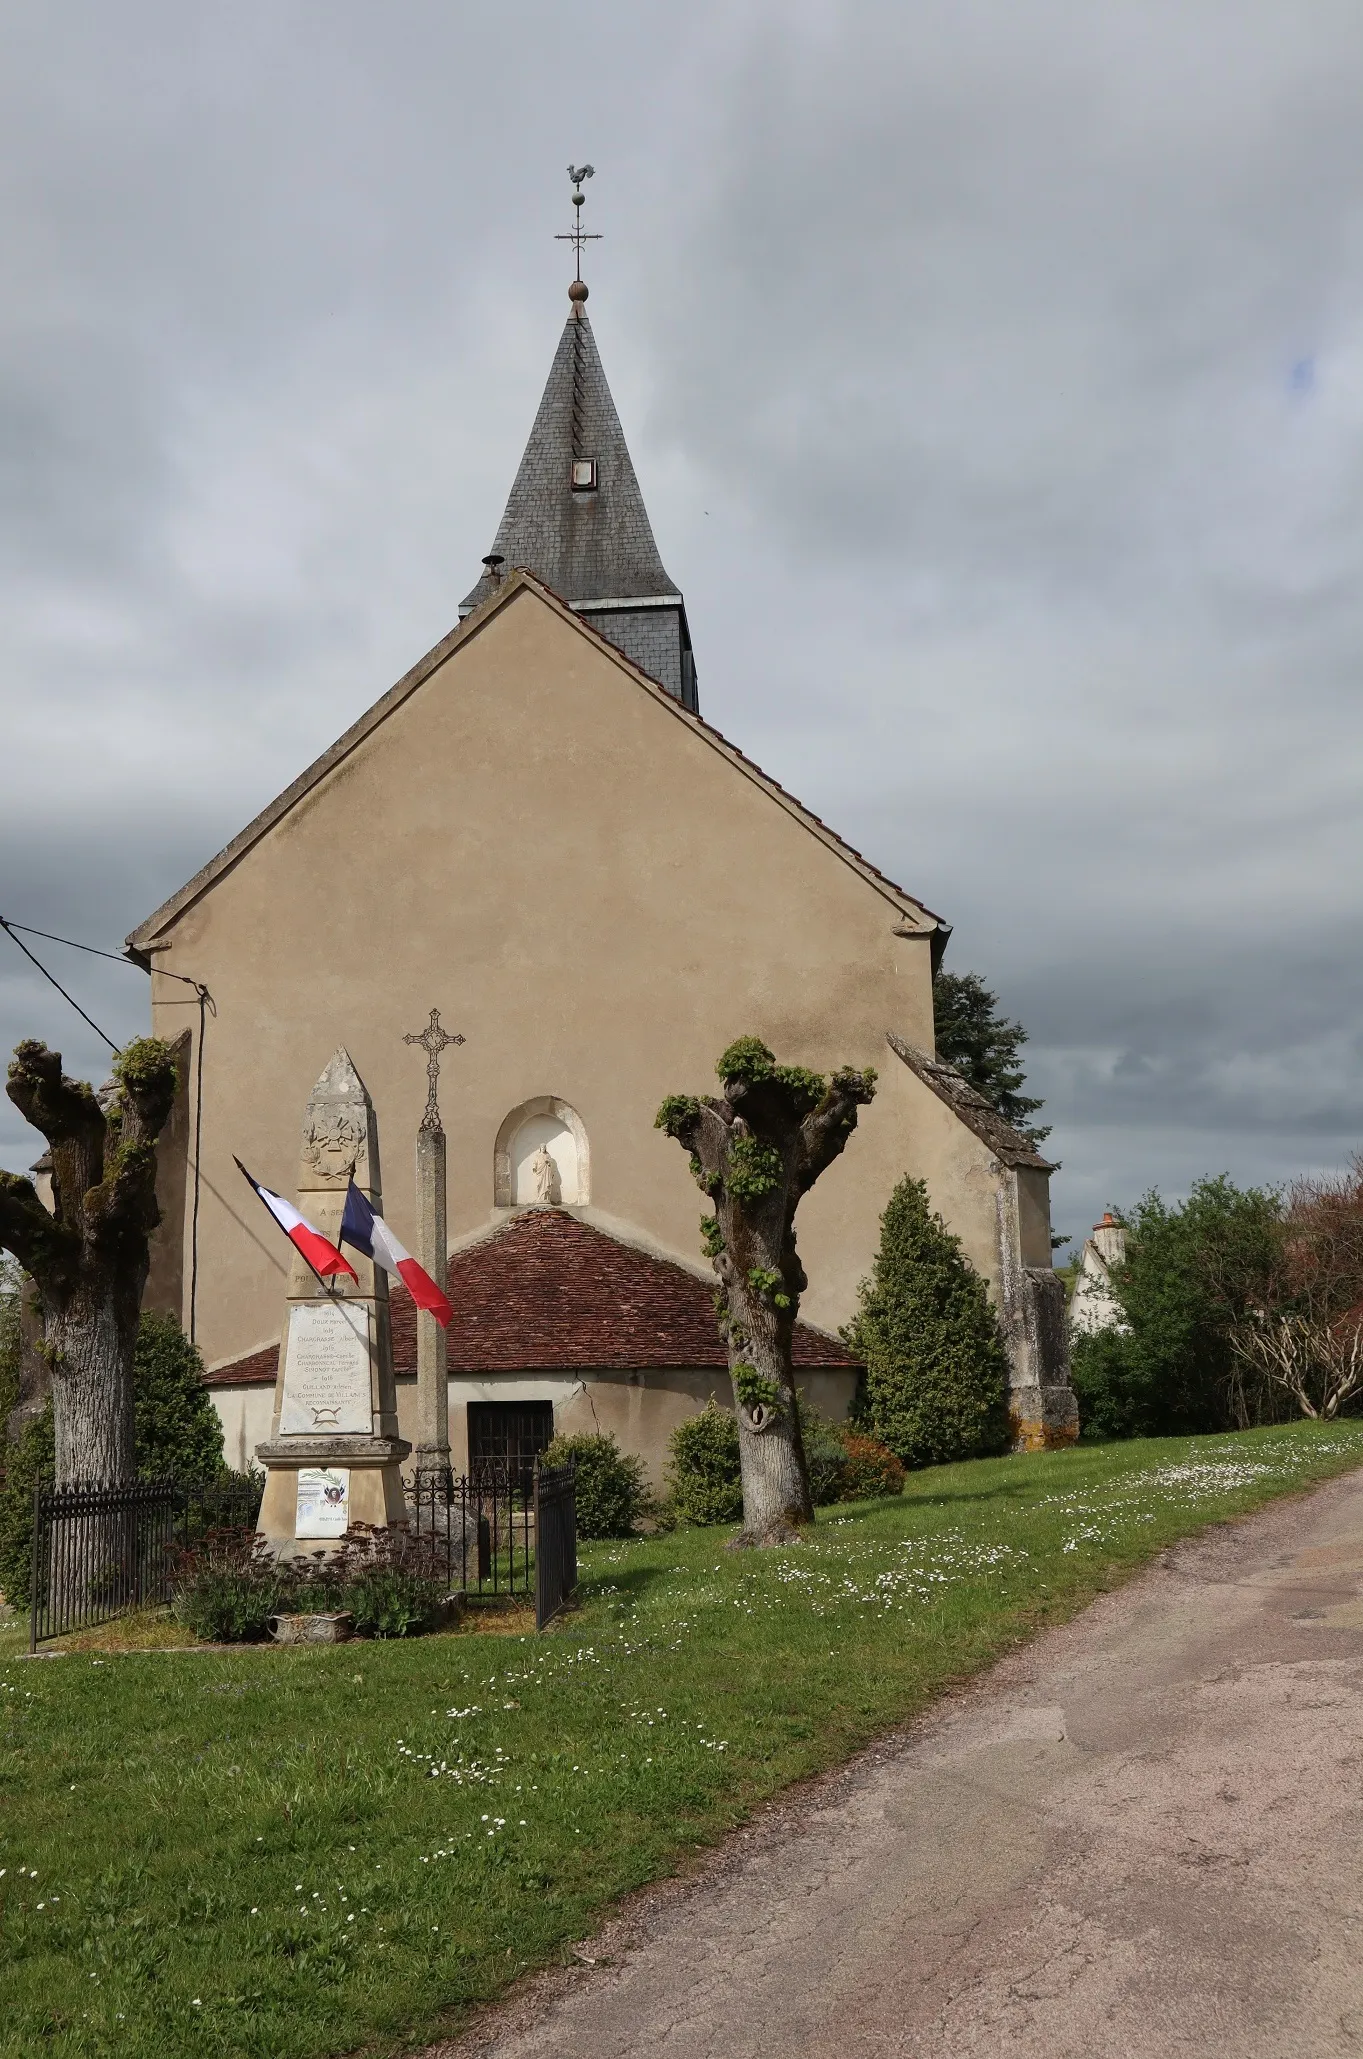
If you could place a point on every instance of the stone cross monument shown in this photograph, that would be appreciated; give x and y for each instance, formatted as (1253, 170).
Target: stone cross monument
(432, 1380)
(334, 1456)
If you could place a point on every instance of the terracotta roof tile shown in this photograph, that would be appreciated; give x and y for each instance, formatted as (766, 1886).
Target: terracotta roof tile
(552, 1293)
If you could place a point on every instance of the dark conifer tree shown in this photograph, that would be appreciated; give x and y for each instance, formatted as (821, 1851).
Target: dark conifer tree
(936, 1380)
(983, 1046)
(178, 1431)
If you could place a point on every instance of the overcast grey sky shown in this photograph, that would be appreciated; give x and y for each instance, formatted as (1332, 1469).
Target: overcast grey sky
(994, 374)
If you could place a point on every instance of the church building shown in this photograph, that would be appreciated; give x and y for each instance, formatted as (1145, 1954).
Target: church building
(538, 832)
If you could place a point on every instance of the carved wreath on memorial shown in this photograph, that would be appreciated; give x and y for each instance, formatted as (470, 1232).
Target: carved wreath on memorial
(333, 1141)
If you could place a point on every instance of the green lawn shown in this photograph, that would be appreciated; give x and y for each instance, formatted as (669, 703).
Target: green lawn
(296, 1853)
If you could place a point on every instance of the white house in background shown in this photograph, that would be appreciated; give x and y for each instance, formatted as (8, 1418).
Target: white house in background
(1094, 1305)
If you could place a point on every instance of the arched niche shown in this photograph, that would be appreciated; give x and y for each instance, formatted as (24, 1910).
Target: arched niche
(550, 1123)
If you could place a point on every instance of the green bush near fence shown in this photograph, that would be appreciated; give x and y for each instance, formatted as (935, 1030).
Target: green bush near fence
(608, 1487)
(226, 1589)
(27, 1462)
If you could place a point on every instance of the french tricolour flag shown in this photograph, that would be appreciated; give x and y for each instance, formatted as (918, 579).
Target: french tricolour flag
(321, 1255)
(370, 1234)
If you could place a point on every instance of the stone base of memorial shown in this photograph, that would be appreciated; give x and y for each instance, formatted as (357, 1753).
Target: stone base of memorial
(316, 1488)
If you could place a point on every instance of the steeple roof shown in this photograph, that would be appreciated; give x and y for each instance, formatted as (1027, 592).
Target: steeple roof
(589, 542)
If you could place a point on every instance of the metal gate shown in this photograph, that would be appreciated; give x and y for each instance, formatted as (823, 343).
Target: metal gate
(555, 1541)
(505, 1530)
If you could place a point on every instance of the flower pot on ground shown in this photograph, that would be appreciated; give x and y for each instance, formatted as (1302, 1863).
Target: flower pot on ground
(313, 1627)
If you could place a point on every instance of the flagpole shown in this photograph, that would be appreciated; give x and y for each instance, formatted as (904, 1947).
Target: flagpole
(279, 1226)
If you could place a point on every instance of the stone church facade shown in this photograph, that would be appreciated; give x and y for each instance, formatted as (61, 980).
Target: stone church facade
(536, 832)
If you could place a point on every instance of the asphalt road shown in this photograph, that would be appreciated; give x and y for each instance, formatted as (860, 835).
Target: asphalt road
(1141, 1836)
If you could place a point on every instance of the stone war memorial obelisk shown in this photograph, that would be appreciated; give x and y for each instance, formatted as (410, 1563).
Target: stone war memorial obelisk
(333, 1457)
(432, 1378)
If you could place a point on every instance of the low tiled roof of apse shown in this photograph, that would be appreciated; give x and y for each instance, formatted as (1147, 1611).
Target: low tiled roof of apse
(1008, 1145)
(551, 1293)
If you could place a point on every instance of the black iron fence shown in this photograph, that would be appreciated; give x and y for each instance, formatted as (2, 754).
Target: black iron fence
(507, 1528)
(555, 1541)
(99, 1551)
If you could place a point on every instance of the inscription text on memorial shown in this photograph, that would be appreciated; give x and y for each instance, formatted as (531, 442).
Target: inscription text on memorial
(326, 1370)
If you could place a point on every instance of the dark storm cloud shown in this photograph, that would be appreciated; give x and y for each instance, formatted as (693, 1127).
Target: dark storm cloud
(995, 379)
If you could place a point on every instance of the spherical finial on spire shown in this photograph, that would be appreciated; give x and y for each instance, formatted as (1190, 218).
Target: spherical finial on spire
(577, 236)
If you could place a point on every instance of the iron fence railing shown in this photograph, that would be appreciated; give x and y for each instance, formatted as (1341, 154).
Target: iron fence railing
(98, 1551)
(481, 1526)
(508, 1529)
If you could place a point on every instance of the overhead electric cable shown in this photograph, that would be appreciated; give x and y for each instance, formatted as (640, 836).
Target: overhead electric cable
(9, 929)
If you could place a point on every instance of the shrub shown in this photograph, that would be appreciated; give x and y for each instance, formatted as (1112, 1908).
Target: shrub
(936, 1380)
(178, 1430)
(26, 1462)
(1114, 1399)
(225, 1589)
(392, 1584)
(609, 1487)
(870, 1468)
(703, 1474)
(825, 1454)
(1193, 1273)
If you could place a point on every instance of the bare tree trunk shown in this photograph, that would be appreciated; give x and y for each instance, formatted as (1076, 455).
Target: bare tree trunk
(91, 1352)
(759, 1335)
(755, 1153)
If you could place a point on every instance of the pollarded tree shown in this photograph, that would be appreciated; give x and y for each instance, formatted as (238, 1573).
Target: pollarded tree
(755, 1152)
(89, 1257)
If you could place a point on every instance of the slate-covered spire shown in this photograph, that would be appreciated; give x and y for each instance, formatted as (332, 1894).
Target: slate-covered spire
(577, 520)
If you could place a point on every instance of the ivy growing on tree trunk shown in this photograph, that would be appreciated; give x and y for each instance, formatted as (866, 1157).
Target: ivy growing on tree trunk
(89, 1255)
(755, 1151)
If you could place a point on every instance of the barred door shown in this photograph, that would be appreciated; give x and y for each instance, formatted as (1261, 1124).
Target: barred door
(508, 1436)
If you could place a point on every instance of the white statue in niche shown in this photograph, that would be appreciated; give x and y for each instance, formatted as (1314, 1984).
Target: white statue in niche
(544, 1177)
(540, 1136)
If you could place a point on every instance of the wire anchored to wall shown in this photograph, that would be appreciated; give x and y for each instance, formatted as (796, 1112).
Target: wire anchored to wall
(206, 1005)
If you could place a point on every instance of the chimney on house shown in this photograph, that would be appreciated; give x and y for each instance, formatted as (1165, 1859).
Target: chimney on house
(1109, 1239)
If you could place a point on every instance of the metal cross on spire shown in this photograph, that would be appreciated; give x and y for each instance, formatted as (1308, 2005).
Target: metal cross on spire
(433, 1040)
(577, 235)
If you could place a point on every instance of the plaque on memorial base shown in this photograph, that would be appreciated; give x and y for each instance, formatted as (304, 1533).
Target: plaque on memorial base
(333, 1458)
(327, 1376)
(323, 1501)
